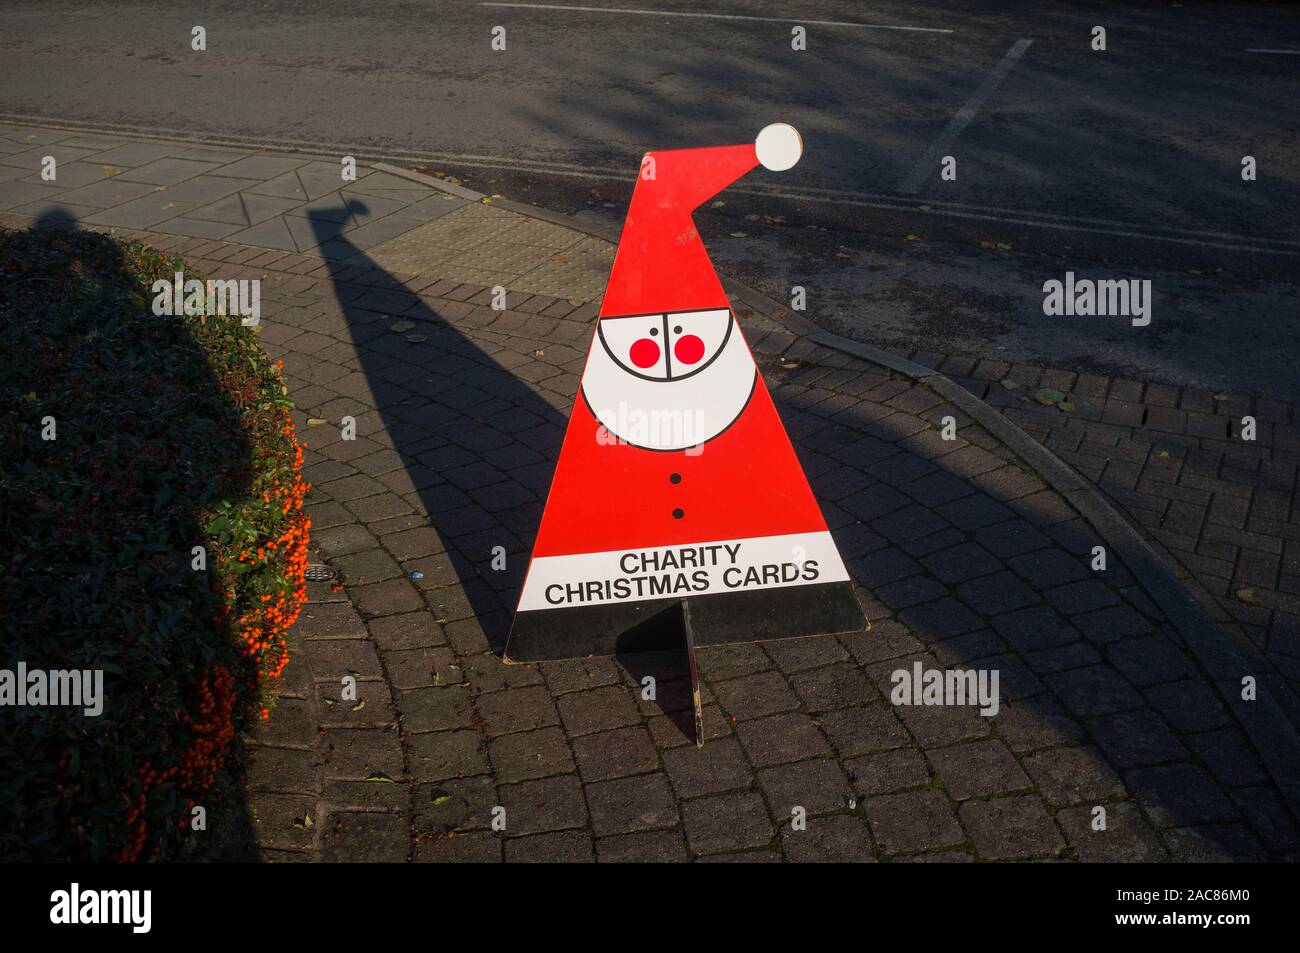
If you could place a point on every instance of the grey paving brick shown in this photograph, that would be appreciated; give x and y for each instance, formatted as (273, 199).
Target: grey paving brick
(652, 847)
(441, 755)
(366, 838)
(1009, 828)
(729, 822)
(914, 821)
(978, 769)
(598, 709)
(781, 738)
(614, 754)
(530, 754)
(718, 766)
(627, 805)
(837, 839)
(1136, 738)
(453, 805)
(562, 847)
(755, 695)
(549, 804)
(1126, 837)
(518, 709)
(817, 786)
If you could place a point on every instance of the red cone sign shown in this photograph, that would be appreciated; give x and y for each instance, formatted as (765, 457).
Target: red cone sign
(678, 499)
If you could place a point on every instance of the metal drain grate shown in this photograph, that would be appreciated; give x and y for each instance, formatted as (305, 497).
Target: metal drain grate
(319, 572)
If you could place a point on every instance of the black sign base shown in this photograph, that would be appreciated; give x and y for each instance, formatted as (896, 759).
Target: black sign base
(716, 619)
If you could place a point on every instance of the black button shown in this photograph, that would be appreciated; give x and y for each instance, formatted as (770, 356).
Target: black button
(675, 478)
(678, 514)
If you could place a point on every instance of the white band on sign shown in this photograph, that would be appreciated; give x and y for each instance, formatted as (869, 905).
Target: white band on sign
(663, 572)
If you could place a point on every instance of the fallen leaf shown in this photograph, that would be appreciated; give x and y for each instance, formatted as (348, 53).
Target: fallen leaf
(401, 326)
(1248, 595)
(1009, 384)
(912, 238)
(316, 421)
(380, 777)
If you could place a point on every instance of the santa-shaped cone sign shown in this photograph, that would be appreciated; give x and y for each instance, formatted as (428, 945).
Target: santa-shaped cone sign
(678, 501)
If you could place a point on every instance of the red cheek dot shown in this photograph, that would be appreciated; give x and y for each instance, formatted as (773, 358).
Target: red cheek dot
(688, 349)
(644, 353)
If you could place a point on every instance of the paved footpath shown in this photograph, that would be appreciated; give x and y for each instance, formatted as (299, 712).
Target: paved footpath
(966, 556)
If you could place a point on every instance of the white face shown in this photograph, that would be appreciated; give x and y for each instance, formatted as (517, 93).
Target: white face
(668, 381)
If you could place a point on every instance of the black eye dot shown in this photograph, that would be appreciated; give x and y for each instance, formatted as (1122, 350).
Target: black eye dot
(654, 332)
(678, 514)
(676, 478)
(677, 330)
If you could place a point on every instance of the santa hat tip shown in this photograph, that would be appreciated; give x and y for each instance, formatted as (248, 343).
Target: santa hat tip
(779, 147)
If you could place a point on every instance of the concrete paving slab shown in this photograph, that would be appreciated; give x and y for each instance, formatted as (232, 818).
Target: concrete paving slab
(196, 227)
(13, 194)
(330, 208)
(261, 167)
(143, 212)
(225, 156)
(320, 178)
(381, 230)
(286, 185)
(72, 175)
(43, 209)
(109, 192)
(168, 171)
(34, 136)
(309, 232)
(98, 143)
(33, 159)
(132, 154)
(272, 233)
(205, 188)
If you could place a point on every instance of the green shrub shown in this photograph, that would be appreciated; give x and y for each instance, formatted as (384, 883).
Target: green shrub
(170, 433)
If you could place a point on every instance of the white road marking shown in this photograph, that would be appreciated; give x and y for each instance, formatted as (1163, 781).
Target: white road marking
(711, 16)
(858, 199)
(928, 164)
(1282, 52)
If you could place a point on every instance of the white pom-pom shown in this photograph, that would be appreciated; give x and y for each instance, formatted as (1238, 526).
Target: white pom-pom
(779, 147)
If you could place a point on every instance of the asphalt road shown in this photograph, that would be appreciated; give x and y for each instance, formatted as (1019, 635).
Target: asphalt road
(1116, 164)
